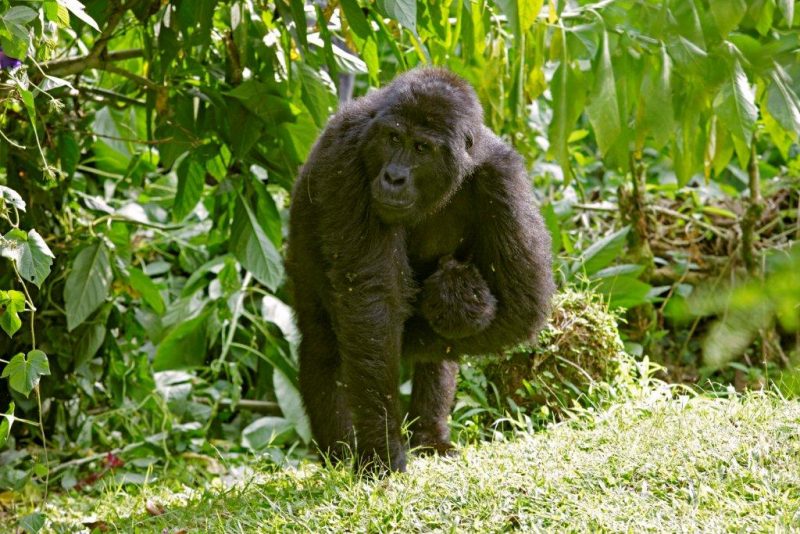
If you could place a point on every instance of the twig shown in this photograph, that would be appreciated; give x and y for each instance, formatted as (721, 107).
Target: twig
(75, 65)
(706, 226)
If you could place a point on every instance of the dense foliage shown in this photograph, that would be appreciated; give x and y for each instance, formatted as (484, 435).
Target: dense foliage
(148, 148)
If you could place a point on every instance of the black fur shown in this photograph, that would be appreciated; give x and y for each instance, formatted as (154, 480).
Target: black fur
(401, 180)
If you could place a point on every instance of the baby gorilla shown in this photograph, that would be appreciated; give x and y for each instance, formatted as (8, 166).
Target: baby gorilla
(412, 234)
(456, 300)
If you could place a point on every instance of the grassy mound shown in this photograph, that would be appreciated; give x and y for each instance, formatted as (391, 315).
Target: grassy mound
(693, 464)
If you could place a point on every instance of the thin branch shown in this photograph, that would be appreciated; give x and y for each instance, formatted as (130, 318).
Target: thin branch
(75, 65)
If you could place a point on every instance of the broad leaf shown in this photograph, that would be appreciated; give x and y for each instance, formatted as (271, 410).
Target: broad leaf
(319, 93)
(403, 11)
(184, 347)
(24, 372)
(624, 291)
(727, 14)
(6, 421)
(88, 284)
(11, 198)
(191, 179)
(602, 253)
(782, 101)
(30, 254)
(735, 105)
(251, 246)
(11, 304)
(568, 95)
(147, 289)
(267, 431)
(655, 114)
(77, 9)
(603, 108)
(291, 404)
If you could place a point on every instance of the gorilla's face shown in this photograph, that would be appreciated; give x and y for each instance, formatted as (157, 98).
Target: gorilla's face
(413, 168)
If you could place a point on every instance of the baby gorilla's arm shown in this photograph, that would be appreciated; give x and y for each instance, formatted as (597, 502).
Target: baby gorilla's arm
(456, 300)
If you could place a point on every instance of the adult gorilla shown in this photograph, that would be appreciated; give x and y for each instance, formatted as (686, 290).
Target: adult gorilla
(413, 234)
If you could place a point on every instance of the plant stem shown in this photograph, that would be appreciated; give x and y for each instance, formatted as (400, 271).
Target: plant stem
(753, 213)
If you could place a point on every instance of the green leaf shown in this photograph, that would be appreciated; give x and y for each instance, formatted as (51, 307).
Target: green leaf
(147, 289)
(18, 15)
(727, 14)
(568, 95)
(191, 179)
(90, 338)
(603, 108)
(32, 523)
(403, 11)
(256, 97)
(291, 404)
(11, 304)
(11, 197)
(355, 17)
(184, 347)
(30, 254)
(602, 253)
(6, 423)
(782, 101)
(267, 431)
(735, 105)
(77, 9)
(251, 246)
(624, 291)
(786, 8)
(319, 93)
(88, 284)
(655, 115)
(23, 372)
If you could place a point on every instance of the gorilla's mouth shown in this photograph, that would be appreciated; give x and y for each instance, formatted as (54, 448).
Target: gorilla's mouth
(396, 204)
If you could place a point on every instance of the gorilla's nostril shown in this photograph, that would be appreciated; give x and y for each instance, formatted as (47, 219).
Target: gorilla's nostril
(394, 180)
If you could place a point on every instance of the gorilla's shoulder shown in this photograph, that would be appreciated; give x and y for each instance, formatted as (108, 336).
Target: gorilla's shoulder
(496, 160)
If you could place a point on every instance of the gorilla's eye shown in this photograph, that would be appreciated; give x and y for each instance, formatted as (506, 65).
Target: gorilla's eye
(394, 138)
(421, 147)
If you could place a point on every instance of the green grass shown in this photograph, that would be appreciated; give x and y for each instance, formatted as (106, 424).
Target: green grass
(692, 464)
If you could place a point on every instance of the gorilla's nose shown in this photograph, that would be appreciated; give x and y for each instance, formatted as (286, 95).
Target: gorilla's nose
(396, 176)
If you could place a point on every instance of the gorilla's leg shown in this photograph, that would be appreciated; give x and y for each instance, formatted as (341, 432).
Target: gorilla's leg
(434, 386)
(322, 387)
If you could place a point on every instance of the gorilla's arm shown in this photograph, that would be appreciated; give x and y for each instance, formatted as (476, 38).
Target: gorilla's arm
(512, 252)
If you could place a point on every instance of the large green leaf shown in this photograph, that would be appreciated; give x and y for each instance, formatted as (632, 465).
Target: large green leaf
(184, 347)
(291, 404)
(191, 179)
(24, 372)
(782, 101)
(568, 93)
(6, 421)
(267, 431)
(602, 252)
(735, 105)
(319, 93)
(77, 9)
(11, 304)
(655, 115)
(11, 198)
(147, 289)
(603, 108)
(403, 11)
(727, 14)
(88, 284)
(30, 254)
(251, 246)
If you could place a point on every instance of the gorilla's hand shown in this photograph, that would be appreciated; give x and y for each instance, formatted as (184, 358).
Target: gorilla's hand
(456, 300)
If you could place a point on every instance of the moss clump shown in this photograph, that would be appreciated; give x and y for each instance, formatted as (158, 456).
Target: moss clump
(579, 360)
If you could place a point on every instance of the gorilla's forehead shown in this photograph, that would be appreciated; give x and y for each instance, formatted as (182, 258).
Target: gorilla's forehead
(418, 126)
